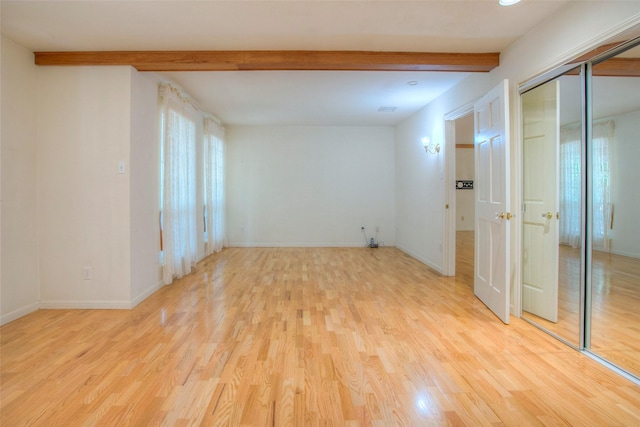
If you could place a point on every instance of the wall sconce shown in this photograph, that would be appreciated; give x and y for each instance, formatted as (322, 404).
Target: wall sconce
(429, 146)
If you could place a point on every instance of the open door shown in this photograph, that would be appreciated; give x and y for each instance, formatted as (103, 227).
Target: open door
(491, 143)
(540, 236)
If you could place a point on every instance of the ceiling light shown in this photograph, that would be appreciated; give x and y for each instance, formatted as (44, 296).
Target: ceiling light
(508, 2)
(387, 109)
(412, 83)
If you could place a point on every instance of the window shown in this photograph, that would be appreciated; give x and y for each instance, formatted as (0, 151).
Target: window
(213, 186)
(178, 184)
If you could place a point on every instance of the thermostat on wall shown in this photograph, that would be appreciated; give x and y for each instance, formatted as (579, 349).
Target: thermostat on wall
(464, 185)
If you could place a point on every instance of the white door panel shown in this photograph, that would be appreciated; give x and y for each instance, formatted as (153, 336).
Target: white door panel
(491, 140)
(540, 198)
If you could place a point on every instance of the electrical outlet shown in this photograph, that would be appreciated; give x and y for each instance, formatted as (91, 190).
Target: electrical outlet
(86, 273)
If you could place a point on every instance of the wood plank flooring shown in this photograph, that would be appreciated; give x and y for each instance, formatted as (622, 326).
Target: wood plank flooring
(302, 336)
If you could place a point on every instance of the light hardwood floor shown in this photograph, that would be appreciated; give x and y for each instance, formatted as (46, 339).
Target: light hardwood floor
(330, 336)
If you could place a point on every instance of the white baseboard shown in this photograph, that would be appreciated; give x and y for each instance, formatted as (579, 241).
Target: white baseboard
(146, 294)
(627, 254)
(426, 262)
(16, 314)
(73, 305)
(298, 245)
(61, 304)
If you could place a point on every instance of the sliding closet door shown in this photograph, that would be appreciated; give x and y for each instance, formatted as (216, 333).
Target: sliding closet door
(614, 191)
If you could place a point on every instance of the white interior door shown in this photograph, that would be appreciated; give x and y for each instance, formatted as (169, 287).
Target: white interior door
(491, 142)
(540, 236)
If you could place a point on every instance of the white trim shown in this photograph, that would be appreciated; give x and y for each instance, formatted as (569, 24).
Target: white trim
(62, 304)
(429, 264)
(359, 244)
(16, 314)
(516, 203)
(583, 48)
(146, 294)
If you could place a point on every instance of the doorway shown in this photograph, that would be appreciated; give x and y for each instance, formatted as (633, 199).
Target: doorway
(460, 194)
(465, 202)
(491, 198)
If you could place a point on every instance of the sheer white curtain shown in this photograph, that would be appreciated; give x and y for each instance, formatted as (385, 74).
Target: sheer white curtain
(178, 187)
(213, 186)
(602, 145)
(570, 197)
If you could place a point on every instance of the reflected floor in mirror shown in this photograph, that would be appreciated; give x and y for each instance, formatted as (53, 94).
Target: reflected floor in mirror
(568, 325)
(615, 313)
(615, 299)
(303, 336)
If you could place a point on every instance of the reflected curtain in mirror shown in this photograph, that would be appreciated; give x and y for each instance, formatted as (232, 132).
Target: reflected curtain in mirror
(602, 143)
(570, 198)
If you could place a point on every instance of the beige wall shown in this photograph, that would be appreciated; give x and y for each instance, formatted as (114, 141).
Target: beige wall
(83, 125)
(144, 172)
(65, 206)
(19, 228)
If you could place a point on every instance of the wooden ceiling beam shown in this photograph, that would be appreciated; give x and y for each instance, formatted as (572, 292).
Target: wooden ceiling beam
(253, 60)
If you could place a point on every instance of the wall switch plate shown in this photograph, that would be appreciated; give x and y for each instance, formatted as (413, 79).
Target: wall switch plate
(86, 273)
(120, 167)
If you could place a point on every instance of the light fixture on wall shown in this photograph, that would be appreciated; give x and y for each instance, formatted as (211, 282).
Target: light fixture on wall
(508, 2)
(429, 146)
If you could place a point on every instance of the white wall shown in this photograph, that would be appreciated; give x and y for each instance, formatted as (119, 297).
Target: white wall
(309, 186)
(626, 191)
(83, 215)
(144, 170)
(19, 269)
(420, 178)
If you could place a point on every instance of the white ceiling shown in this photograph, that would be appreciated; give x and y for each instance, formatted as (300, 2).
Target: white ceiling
(285, 97)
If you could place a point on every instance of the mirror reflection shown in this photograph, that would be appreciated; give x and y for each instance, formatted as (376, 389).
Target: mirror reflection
(553, 229)
(615, 194)
(552, 203)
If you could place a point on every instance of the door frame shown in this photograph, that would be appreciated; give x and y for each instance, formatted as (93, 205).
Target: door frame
(449, 240)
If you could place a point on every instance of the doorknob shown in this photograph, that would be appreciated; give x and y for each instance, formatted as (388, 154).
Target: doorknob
(503, 215)
(547, 215)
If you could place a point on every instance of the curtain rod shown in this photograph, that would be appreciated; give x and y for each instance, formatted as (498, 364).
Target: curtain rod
(186, 99)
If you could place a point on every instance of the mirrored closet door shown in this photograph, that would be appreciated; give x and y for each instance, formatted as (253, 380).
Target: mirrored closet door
(581, 204)
(614, 190)
(552, 205)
